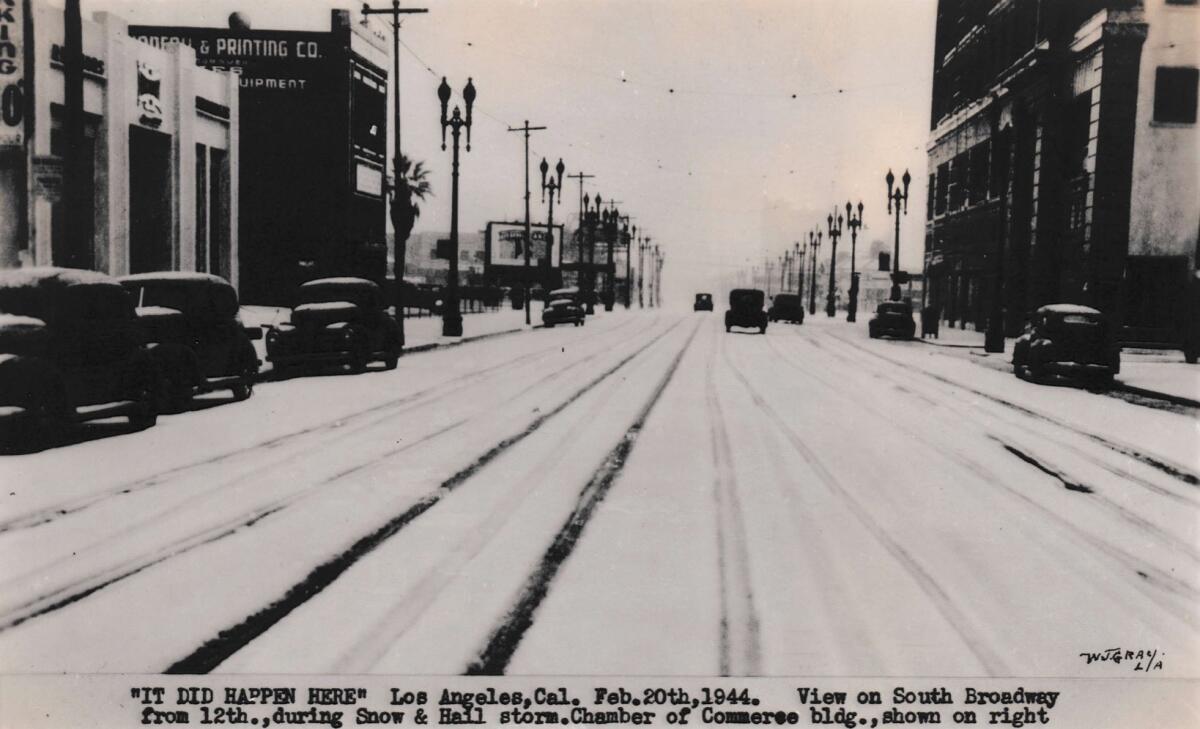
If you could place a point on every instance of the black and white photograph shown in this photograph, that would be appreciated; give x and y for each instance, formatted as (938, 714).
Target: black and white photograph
(807, 362)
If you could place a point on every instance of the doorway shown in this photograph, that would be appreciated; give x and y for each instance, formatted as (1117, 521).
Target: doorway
(150, 242)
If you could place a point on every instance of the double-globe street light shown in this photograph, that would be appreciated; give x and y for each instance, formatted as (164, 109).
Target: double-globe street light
(451, 316)
(896, 198)
(853, 223)
(553, 184)
(835, 231)
(814, 242)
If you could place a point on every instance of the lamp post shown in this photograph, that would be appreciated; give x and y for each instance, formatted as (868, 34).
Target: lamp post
(835, 232)
(659, 258)
(643, 245)
(610, 219)
(553, 184)
(525, 276)
(630, 233)
(853, 223)
(803, 251)
(814, 243)
(896, 198)
(451, 316)
(994, 338)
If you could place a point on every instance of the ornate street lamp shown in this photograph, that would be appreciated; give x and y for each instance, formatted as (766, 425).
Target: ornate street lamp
(835, 232)
(853, 223)
(451, 316)
(554, 184)
(896, 198)
(814, 242)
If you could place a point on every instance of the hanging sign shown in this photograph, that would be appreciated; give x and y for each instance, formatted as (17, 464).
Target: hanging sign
(12, 73)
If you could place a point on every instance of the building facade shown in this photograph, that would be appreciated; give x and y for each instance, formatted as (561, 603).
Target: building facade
(1062, 161)
(313, 144)
(155, 174)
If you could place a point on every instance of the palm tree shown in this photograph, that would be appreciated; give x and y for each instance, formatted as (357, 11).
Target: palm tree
(410, 186)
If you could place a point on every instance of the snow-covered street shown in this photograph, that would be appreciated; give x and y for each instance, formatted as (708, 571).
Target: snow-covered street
(646, 494)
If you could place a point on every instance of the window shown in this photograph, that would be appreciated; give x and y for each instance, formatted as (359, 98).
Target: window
(943, 186)
(1175, 95)
(980, 169)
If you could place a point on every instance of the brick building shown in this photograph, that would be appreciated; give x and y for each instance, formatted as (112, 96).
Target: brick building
(1065, 131)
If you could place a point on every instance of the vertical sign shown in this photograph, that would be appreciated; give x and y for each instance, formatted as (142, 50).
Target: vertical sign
(12, 60)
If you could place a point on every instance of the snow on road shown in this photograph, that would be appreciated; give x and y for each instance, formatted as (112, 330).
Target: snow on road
(644, 495)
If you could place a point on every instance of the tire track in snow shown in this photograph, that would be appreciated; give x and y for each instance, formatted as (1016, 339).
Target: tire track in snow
(740, 651)
(506, 638)
(1175, 470)
(213, 652)
(433, 393)
(980, 647)
(1154, 580)
(889, 373)
(78, 588)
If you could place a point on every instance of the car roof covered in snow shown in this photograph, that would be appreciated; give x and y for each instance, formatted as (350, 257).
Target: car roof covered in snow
(48, 276)
(1068, 309)
(55, 294)
(15, 322)
(339, 281)
(174, 276)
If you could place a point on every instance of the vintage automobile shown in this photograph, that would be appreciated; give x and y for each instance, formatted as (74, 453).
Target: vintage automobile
(703, 303)
(787, 307)
(892, 319)
(342, 321)
(564, 308)
(71, 349)
(199, 343)
(1066, 339)
(746, 310)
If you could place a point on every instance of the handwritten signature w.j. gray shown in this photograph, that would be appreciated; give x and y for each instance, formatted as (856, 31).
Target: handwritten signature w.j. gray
(1142, 660)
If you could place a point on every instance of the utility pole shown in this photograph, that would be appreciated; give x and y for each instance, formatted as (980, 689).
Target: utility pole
(579, 234)
(398, 246)
(76, 248)
(528, 233)
(643, 245)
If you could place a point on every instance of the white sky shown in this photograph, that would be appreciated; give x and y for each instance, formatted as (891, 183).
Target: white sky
(724, 170)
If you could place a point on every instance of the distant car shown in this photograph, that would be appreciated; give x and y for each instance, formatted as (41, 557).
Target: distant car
(196, 316)
(341, 321)
(787, 307)
(70, 350)
(563, 311)
(746, 310)
(1066, 339)
(703, 303)
(892, 319)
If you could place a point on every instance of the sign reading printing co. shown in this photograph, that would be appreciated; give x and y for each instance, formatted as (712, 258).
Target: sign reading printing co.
(12, 93)
(265, 59)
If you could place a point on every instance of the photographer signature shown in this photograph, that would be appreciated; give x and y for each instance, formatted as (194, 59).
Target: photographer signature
(1142, 660)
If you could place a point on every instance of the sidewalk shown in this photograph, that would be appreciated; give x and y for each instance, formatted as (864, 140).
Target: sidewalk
(1152, 373)
(420, 333)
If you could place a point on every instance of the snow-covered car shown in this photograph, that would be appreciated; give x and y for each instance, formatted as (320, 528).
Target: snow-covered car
(892, 319)
(787, 307)
(563, 311)
(71, 349)
(746, 310)
(1066, 339)
(703, 302)
(196, 336)
(342, 321)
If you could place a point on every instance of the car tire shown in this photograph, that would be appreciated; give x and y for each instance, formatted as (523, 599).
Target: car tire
(242, 390)
(762, 329)
(391, 361)
(173, 394)
(548, 326)
(145, 417)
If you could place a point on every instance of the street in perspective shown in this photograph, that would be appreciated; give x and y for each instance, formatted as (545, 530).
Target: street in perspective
(851, 339)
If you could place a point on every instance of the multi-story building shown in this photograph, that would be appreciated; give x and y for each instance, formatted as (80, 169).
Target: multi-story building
(1063, 154)
(312, 145)
(146, 181)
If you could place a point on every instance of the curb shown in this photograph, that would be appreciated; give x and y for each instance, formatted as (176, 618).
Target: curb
(1156, 395)
(464, 340)
(924, 340)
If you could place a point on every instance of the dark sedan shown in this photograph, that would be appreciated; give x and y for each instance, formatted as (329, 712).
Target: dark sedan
(1066, 339)
(787, 307)
(746, 310)
(892, 319)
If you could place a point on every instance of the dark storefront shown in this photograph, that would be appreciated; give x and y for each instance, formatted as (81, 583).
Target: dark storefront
(312, 144)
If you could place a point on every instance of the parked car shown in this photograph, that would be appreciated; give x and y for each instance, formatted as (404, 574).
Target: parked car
(563, 309)
(746, 310)
(194, 317)
(892, 319)
(70, 350)
(703, 303)
(1066, 339)
(341, 321)
(787, 307)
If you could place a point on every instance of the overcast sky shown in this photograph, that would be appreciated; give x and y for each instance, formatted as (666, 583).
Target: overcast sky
(726, 128)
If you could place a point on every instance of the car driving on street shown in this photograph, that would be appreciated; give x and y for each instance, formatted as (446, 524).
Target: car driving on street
(746, 310)
(892, 319)
(563, 308)
(703, 303)
(787, 307)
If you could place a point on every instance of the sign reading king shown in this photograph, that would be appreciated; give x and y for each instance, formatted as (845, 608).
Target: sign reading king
(12, 82)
